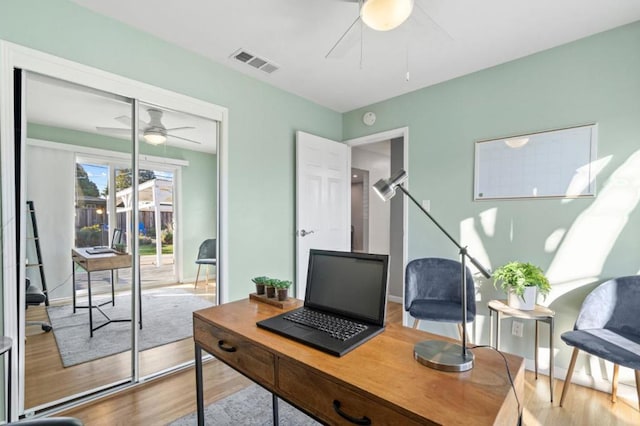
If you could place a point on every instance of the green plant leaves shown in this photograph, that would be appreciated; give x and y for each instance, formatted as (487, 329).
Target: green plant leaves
(515, 276)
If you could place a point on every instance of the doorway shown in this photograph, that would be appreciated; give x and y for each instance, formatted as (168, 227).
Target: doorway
(379, 227)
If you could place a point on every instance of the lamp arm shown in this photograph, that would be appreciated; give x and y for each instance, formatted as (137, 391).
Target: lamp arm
(463, 250)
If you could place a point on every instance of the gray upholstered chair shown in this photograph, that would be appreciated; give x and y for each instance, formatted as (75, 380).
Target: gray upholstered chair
(206, 256)
(608, 326)
(433, 291)
(34, 296)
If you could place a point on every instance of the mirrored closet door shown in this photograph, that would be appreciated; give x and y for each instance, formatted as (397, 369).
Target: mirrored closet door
(69, 181)
(119, 224)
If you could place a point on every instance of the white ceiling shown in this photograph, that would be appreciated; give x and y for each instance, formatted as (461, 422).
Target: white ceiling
(442, 40)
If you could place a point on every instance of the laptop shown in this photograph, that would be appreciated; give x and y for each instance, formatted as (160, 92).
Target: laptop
(344, 289)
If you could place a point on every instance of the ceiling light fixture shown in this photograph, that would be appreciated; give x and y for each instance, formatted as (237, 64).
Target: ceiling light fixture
(155, 136)
(385, 15)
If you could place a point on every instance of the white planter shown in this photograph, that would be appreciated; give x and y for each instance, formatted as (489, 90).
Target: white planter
(529, 302)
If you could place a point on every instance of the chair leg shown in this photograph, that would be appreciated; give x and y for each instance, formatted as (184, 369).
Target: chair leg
(195, 285)
(415, 323)
(638, 386)
(567, 380)
(614, 383)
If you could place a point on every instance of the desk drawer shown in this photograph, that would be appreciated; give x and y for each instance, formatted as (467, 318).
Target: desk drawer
(317, 394)
(237, 352)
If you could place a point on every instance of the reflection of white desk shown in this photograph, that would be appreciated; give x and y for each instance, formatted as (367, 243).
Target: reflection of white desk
(539, 313)
(98, 262)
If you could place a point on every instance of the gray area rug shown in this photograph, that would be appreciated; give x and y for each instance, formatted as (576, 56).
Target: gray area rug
(250, 406)
(166, 318)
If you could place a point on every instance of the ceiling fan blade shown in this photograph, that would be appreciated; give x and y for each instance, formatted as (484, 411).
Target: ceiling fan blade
(180, 128)
(184, 139)
(126, 120)
(346, 41)
(114, 130)
(423, 19)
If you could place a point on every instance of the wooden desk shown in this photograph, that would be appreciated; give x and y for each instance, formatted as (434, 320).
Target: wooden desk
(379, 380)
(92, 263)
(539, 313)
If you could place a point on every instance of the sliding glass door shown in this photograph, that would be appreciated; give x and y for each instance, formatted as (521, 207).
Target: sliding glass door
(88, 293)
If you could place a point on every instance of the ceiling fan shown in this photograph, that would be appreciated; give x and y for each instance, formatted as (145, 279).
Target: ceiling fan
(382, 15)
(153, 132)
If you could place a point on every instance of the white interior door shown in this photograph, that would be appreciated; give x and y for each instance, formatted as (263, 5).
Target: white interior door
(323, 191)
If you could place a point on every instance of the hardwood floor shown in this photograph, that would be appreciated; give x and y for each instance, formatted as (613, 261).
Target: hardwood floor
(46, 379)
(161, 401)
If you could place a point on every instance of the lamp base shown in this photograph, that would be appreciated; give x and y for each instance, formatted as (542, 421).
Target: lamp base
(443, 356)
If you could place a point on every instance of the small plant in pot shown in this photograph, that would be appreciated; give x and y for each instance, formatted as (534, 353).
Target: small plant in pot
(270, 287)
(521, 281)
(282, 288)
(260, 283)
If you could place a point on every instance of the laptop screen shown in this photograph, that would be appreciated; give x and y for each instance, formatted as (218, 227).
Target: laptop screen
(351, 284)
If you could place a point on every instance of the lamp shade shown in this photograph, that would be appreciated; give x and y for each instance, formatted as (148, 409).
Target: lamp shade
(385, 15)
(155, 137)
(386, 188)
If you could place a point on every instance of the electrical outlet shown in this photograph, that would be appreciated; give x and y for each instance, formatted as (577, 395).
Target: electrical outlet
(516, 328)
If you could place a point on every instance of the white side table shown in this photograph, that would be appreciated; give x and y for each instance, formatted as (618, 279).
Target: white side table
(539, 313)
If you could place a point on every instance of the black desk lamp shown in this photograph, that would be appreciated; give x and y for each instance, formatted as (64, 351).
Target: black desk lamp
(437, 354)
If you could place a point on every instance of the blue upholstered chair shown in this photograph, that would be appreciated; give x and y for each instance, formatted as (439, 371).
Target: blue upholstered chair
(608, 326)
(206, 256)
(433, 292)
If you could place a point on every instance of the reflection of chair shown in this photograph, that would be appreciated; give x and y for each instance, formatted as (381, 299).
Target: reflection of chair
(34, 296)
(608, 326)
(206, 256)
(432, 291)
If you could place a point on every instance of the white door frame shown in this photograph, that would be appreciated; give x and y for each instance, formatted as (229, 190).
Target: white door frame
(402, 132)
(14, 56)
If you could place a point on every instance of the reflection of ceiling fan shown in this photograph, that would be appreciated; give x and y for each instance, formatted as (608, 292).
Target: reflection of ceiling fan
(153, 132)
(381, 15)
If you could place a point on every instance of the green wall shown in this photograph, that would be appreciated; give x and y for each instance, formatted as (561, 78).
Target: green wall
(262, 120)
(591, 80)
(596, 79)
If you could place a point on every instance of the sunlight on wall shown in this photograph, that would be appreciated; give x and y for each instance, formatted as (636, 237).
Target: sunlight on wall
(469, 237)
(553, 241)
(488, 221)
(585, 176)
(589, 241)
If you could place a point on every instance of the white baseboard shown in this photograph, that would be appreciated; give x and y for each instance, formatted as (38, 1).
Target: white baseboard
(625, 391)
(395, 299)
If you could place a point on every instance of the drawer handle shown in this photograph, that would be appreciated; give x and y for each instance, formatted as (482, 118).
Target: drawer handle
(225, 347)
(361, 421)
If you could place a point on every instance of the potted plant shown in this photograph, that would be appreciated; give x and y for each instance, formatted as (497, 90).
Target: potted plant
(270, 287)
(282, 288)
(521, 281)
(260, 282)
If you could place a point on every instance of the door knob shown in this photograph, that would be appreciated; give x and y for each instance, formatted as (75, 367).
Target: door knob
(304, 233)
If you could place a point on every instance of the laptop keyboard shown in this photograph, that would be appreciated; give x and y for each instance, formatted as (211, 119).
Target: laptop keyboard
(338, 328)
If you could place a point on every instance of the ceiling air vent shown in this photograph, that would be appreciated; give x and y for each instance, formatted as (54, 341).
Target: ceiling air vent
(256, 62)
